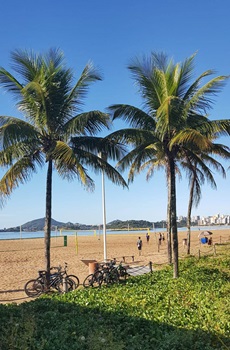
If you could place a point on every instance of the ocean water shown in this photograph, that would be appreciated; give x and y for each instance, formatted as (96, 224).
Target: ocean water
(40, 234)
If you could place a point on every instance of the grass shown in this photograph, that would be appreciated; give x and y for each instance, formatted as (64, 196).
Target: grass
(153, 311)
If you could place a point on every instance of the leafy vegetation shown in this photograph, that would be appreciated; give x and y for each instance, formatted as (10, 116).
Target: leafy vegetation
(151, 311)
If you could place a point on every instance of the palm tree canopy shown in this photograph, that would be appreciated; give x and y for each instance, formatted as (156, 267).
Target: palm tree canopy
(55, 127)
(174, 108)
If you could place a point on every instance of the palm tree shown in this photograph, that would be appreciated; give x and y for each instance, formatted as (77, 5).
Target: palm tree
(174, 117)
(54, 130)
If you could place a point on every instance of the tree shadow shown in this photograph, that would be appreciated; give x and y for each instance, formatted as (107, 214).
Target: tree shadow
(46, 324)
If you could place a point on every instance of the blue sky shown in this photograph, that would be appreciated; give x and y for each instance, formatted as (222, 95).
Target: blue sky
(110, 33)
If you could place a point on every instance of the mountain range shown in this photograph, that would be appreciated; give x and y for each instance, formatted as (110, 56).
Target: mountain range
(39, 224)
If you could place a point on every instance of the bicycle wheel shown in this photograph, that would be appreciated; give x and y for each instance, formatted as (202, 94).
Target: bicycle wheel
(114, 276)
(110, 276)
(106, 278)
(65, 285)
(122, 273)
(88, 281)
(75, 279)
(33, 288)
(71, 284)
(97, 279)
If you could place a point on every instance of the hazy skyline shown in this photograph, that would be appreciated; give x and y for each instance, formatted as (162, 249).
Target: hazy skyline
(110, 34)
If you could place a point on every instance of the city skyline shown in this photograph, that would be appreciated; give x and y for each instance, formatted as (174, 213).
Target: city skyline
(216, 219)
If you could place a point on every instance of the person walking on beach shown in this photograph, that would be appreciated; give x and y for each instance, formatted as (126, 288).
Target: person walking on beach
(160, 238)
(147, 237)
(159, 241)
(139, 245)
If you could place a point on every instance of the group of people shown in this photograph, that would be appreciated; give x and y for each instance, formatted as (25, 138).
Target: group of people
(161, 238)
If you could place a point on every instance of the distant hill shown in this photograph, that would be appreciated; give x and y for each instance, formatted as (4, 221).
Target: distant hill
(39, 224)
(116, 224)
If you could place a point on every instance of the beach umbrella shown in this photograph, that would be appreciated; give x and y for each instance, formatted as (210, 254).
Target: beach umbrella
(205, 234)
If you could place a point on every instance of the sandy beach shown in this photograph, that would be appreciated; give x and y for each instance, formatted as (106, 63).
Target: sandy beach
(21, 259)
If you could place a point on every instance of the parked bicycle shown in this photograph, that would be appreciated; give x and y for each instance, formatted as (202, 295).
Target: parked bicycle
(106, 274)
(93, 279)
(122, 271)
(59, 281)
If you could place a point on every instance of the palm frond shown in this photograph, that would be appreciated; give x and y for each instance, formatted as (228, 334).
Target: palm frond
(184, 75)
(202, 99)
(68, 165)
(148, 76)
(97, 164)
(19, 173)
(136, 158)
(194, 87)
(26, 63)
(15, 130)
(152, 166)
(112, 174)
(10, 83)
(219, 127)
(132, 115)
(54, 59)
(192, 137)
(106, 145)
(89, 75)
(87, 123)
(133, 137)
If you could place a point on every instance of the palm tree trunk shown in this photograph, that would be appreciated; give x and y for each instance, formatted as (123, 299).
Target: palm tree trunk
(169, 226)
(190, 203)
(172, 189)
(48, 218)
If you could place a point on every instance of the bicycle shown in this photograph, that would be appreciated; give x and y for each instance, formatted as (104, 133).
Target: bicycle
(93, 279)
(58, 281)
(122, 272)
(72, 277)
(113, 273)
(107, 274)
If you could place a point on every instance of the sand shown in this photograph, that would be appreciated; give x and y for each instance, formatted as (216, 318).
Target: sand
(21, 259)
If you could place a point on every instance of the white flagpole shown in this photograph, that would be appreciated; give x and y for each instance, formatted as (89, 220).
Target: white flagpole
(104, 215)
(104, 157)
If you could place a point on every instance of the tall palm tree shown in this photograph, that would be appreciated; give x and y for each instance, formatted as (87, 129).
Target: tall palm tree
(174, 115)
(54, 130)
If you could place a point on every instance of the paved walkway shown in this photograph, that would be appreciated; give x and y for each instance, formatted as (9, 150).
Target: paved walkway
(138, 270)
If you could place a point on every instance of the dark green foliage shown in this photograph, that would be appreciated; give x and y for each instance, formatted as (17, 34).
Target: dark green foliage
(149, 312)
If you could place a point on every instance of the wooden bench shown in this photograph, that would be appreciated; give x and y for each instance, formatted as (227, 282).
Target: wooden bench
(124, 258)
